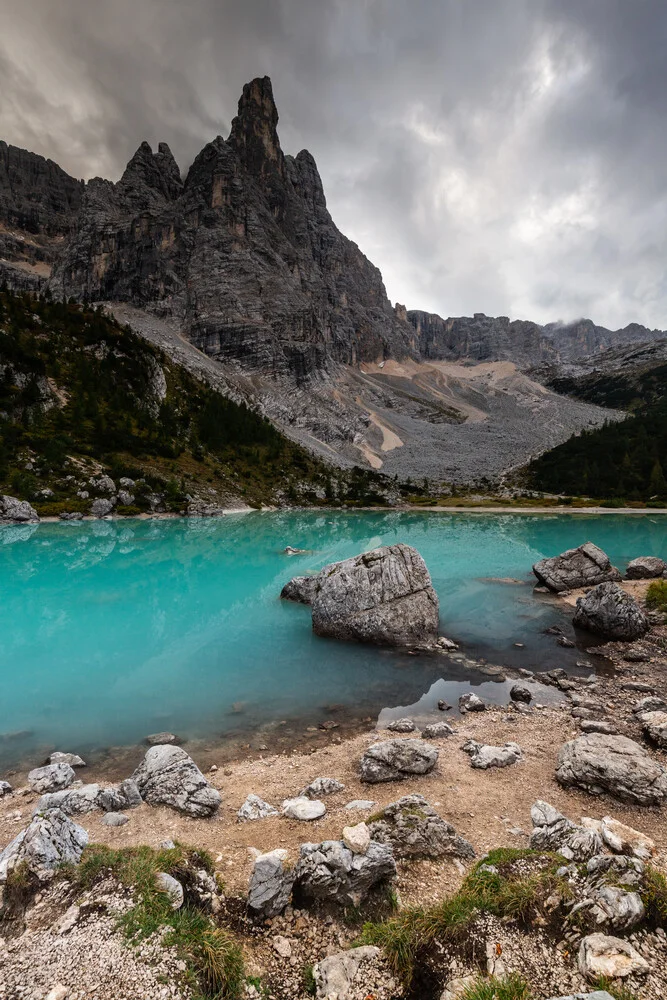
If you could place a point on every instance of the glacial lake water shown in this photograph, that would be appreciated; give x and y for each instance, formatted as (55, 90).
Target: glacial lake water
(110, 630)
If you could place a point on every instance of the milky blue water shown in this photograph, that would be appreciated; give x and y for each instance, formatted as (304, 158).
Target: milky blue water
(111, 630)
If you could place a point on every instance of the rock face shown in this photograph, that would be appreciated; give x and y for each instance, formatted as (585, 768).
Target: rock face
(414, 829)
(244, 252)
(168, 776)
(584, 566)
(49, 841)
(396, 760)
(598, 763)
(331, 871)
(270, 884)
(12, 509)
(384, 596)
(483, 757)
(607, 610)
(646, 568)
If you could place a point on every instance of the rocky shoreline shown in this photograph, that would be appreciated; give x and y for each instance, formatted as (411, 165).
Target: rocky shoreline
(557, 803)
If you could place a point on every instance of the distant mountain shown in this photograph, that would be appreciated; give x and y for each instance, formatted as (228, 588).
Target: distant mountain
(527, 344)
(241, 258)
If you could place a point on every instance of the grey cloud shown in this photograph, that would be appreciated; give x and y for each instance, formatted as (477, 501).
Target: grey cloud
(505, 157)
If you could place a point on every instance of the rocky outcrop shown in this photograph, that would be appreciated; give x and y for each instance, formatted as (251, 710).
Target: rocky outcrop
(20, 511)
(244, 252)
(396, 760)
(414, 829)
(270, 884)
(646, 568)
(614, 764)
(49, 841)
(607, 610)
(384, 596)
(168, 776)
(584, 566)
(330, 871)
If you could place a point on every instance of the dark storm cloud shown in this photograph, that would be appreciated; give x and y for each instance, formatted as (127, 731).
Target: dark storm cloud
(505, 156)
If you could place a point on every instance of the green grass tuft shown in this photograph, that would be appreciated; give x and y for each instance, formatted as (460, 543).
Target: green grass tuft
(654, 896)
(214, 958)
(512, 987)
(656, 596)
(511, 892)
(308, 982)
(618, 992)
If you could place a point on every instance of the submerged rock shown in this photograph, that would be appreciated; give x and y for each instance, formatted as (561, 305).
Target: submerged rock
(50, 840)
(414, 829)
(384, 596)
(300, 589)
(607, 610)
(396, 760)
(598, 763)
(168, 776)
(584, 566)
(331, 871)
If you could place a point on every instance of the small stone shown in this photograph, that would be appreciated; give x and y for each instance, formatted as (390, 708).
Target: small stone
(357, 838)
(115, 819)
(322, 786)
(483, 757)
(172, 887)
(161, 739)
(520, 693)
(360, 804)
(437, 731)
(401, 726)
(471, 703)
(303, 809)
(67, 758)
(255, 808)
(282, 946)
(58, 992)
(611, 957)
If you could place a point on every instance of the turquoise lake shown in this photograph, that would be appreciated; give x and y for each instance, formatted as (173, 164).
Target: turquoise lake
(110, 630)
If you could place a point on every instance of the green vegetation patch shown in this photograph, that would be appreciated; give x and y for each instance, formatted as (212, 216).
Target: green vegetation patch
(656, 596)
(512, 987)
(214, 959)
(517, 889)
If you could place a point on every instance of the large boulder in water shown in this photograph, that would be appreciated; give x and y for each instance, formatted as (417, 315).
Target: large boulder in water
(384, 596)
(599, 763)
(581, 567)
(167, 776)
(51, 839)
(12, 509)
(607, 610)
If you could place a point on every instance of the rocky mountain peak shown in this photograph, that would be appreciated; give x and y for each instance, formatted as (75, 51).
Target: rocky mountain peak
(254, 133)
(149, 176)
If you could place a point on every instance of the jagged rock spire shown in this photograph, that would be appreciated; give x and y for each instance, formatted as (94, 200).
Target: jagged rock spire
(254, 133)
(148, 174)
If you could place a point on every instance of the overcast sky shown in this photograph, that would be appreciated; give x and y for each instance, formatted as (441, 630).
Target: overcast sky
(498, 156)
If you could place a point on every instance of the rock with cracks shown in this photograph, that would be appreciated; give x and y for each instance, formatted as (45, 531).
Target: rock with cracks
(611, 957)
(646, 568)
(322, 786)
(607, 610)
(51, 778)
(483, 756)
(384, 597)
(50, 840)
(598, 763)
(255, 808)
(300, 589)
(167, 776)
(271, 884)
(351, 974)
(330, 871)
(584, 566)
(20, 511)
(554, 832)
(414, 829)
(396, 760)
